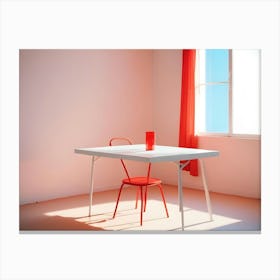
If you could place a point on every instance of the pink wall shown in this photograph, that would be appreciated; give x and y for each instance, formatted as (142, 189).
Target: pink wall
(235, 171)
(78, 98)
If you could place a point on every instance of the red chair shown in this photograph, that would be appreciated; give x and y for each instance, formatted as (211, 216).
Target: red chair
(140, 182)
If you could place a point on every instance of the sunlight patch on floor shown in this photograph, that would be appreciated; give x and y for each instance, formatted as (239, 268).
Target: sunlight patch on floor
(128, 218)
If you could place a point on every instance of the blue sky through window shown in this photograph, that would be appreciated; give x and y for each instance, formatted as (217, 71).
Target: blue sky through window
(217, 95)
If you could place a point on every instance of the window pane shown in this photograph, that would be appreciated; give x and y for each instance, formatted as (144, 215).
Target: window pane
(217, 108)
(217, 66)
(246, 91)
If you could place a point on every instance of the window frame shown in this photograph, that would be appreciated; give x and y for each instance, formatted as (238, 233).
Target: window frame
(230, 95)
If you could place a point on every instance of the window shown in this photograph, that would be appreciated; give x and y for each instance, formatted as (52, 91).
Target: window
(228, 92)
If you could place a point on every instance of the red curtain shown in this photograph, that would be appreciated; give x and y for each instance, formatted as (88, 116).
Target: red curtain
(187, 136)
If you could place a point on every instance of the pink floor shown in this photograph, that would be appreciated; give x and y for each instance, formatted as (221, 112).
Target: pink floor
(230, 213)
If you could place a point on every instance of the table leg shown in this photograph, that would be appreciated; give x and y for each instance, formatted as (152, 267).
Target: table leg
(207, 197)
(181, 166)
(180, 194)
(91, 185)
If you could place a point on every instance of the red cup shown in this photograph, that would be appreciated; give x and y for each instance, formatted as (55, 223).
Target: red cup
(150, 140)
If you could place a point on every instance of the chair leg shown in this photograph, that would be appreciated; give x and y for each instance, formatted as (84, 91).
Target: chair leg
(163, 199)
(146, 190)
(137, 194)
(118, 200)
(141, 215)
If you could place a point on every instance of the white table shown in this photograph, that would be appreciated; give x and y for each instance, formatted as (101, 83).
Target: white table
(159, 154)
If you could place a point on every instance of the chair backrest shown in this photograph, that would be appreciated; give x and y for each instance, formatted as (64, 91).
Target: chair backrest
(124, 141)
(113, 141)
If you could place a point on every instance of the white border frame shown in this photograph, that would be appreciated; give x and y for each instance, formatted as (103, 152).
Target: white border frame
(139, 24)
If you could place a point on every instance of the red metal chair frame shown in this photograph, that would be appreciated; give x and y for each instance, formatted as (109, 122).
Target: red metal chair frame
(140, 182)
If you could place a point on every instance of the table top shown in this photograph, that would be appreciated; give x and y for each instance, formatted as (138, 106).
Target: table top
(138, 152)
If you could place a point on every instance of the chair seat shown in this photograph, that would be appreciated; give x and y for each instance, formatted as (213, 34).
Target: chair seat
(141, 181)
